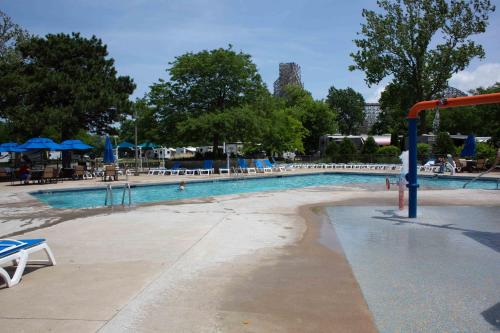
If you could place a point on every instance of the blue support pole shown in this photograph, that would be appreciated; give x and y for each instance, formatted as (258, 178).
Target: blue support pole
(412, 175)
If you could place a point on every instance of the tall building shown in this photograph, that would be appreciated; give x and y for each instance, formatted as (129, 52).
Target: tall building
(289, 75)
(372, 110)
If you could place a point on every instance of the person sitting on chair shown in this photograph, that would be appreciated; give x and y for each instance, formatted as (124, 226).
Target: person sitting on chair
(25, 173)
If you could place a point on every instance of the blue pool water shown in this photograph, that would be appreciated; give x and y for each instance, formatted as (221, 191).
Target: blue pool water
(90, 198)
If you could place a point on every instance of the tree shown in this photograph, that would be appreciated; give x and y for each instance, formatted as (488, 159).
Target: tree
(349, 105)
(420, 44)
(388, 154)
(369, 149)
(317, 118)
(148, 125)
(332, 151)
(347, 150)
(444, 145)
(65, 83)
(423, 150)
(205, 84)
(282, 133)
(10, 35)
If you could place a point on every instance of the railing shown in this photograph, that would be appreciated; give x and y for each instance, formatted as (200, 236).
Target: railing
(108, 200)
(126, 189)
(109, 196)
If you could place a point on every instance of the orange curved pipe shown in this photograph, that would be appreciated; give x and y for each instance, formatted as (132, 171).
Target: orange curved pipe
(453, 102)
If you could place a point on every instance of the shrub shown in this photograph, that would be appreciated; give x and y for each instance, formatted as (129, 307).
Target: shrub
(423, 151)
(444, 145)
(369, 149)
(347, 150)
(486, 150)
(388, 154)
(332, 151)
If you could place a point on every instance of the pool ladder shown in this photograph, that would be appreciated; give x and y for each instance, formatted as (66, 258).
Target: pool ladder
(109, 195)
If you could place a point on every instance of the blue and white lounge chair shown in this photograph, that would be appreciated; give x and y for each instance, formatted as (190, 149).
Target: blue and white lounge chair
(208, 167)
(16, 252)
(175, 170)
(243, 166)
(261, 168)
(274, 166)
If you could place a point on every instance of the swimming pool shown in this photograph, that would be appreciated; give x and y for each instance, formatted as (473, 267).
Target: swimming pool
(91, 198)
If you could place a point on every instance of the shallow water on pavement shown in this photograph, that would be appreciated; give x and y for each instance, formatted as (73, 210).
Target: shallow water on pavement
(439, 272)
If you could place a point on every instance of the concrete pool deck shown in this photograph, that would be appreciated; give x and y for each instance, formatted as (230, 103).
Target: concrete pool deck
(254, 262)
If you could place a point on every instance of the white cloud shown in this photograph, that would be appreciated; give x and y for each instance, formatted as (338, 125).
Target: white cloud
(484, 75)
(375, 94)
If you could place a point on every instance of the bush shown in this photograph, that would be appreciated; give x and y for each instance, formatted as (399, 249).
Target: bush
(444, 145)
(423, 151)
(486, 150)
(388, 154)
(369, 149)
(332, 151)
(347, 151)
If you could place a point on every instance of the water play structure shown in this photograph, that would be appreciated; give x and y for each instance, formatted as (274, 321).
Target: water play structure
(412, 135)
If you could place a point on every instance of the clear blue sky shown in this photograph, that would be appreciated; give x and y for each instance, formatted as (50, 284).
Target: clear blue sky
(143, 36)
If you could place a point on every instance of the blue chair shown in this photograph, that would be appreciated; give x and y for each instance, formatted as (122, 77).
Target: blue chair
(175, 170)
(16, 252)
(208, 167)
(273, 165)
(243, 166)
(261, 167)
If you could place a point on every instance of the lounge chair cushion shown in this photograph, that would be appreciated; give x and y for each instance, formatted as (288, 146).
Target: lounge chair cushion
(17, 245)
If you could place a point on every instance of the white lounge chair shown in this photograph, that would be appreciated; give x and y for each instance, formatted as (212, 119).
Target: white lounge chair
(16, 252)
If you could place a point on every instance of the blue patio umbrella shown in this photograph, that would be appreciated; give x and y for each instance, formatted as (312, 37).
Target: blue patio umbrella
(125, 145)
(75, 145)
(10, 147)
(469, 147)
(109, 156)
(40, 143)
(148, 145)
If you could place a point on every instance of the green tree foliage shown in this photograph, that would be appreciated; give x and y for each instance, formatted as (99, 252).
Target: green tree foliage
(282, 132)
(316, 117)
(481, 120)
(202, 85)
(347, 150)
(486, 150)
(394, 139)
(10, 35)
(332, 151)
(148, 125)
(444, 144)
(388, 154)
(65, 83)
(420, 44)
(370, 146)
(369, 149)
(423, 151)
(349, 105)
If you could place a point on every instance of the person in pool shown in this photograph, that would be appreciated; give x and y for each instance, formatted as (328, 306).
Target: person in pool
(182, 186)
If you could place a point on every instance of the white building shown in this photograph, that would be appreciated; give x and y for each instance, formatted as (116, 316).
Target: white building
(164, 153)
(372, 110)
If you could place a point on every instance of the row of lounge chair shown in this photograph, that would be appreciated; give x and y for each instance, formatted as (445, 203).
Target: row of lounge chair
(264, 166)
(177, 169)
(367, 166)
(16, 253)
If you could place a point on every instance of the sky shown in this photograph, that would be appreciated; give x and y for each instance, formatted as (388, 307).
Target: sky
(143, 36)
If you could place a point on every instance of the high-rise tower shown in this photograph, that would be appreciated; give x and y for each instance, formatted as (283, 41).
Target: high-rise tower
(289, 75)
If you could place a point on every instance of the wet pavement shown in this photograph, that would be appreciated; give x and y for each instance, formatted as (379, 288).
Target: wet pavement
(437, 273)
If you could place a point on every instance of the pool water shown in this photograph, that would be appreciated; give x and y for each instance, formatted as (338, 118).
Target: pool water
(91, 198)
